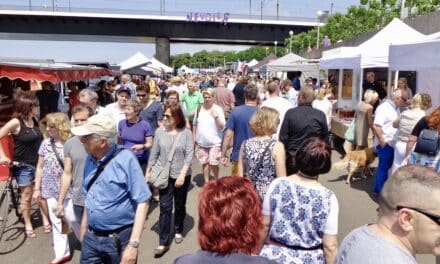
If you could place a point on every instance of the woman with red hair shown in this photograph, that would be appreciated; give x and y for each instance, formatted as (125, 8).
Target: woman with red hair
(230, 223)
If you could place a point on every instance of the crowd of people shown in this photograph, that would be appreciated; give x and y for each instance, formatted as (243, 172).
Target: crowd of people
(122, 145)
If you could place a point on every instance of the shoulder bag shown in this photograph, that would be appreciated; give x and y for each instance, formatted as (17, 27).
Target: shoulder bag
(161, 174)
(428, 142)
(349, 134)
(54, 149)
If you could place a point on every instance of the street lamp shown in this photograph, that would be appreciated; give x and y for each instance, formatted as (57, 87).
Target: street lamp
(320, 15)
(275, 43)
(290, 45)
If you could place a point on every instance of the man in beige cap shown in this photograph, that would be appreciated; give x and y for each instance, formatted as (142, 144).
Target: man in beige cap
(116, 196)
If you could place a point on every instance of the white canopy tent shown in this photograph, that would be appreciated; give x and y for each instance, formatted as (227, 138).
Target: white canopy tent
(252, 63)
(293, 62)
(423, 57)
(156, 64)
(184, 69)
(137, 60)
(373, 53)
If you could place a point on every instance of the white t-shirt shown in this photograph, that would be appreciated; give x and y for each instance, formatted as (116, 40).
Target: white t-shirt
(179, 89)
(292, 96)
(386, 113)
(325, 106)
(207, 133)
(112, 110)
(281, 105)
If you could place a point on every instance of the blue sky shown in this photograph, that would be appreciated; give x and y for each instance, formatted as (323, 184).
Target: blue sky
(115, 52)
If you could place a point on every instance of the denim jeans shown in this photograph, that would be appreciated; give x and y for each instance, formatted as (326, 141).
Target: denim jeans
(166, 208)
(386, 157)
(103, 249)
(79, 211)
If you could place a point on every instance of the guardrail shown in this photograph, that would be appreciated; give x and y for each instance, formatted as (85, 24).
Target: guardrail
(72, 9)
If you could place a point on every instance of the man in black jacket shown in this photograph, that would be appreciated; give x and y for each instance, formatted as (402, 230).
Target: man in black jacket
(301, 123)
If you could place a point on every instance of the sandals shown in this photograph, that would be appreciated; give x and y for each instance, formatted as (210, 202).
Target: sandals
(30, 233)
(47, 228)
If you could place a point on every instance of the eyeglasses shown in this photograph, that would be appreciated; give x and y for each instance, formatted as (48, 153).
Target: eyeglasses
(433, 217)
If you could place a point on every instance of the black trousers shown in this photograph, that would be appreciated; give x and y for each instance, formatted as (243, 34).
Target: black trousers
(166, 197)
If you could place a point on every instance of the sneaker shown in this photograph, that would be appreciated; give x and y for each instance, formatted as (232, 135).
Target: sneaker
(160, 251)
(178, 238)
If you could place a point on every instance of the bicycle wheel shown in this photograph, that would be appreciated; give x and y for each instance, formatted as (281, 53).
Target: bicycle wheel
(4, 211)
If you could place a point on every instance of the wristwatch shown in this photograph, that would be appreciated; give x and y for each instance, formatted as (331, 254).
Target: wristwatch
(134, 243)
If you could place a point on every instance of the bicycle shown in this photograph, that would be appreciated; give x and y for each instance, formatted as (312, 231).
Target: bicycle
(11, 193)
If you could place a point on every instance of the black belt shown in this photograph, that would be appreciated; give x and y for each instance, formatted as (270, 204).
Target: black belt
(276, 243)
(108, 233)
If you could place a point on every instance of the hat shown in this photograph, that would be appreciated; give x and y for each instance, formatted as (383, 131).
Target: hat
(175, 79)
(100, 125)
(123, 89)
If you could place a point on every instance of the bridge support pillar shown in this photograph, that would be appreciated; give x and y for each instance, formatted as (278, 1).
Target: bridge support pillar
(163, 50)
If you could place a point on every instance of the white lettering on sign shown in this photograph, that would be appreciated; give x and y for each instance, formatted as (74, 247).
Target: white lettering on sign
(208, 17)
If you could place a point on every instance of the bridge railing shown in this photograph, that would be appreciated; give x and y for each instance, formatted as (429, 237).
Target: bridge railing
(58, 8)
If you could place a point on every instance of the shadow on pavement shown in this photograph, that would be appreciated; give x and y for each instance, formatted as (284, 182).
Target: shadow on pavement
(198, 180)
(188, 225)
(13, 238)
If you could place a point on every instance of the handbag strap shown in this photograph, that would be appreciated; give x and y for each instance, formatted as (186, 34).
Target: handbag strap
(101, 168)
(60, 161)
(173, 148)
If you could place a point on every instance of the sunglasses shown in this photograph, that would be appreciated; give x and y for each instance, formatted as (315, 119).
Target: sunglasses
(433, 217)
(141, 95)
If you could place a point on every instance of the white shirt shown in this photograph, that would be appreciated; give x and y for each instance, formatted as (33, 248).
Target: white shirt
(179, 89)
(386, 113)
(207, 133)
(112, 110)
(325, 106)
(281, 105)
(292, 96)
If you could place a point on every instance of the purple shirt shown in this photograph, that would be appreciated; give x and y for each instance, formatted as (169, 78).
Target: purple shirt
(132, 134)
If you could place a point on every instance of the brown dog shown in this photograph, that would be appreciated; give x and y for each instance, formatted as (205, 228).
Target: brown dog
(357, 159)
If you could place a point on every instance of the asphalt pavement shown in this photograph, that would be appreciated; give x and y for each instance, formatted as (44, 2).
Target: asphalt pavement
(355, 202)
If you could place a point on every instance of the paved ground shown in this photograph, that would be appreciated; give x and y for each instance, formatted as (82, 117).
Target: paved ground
(356, 208)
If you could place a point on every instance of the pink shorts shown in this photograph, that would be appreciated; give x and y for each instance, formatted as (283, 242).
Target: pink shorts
(209, 155)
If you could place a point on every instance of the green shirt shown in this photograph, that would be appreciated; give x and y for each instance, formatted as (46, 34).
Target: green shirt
(192, 101)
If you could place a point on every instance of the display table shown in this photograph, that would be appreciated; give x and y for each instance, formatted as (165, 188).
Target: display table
(340, 125)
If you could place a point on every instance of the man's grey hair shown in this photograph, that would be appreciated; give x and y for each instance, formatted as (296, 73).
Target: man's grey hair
(126, 77)
(410, 186)
(251, 92)
(88, 93)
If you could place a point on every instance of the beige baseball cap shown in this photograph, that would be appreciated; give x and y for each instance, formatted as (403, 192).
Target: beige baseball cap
(101, 125)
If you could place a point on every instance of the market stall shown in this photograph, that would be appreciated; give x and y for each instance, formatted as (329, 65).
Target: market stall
(422, 57)
(351, 62)
(292, 62)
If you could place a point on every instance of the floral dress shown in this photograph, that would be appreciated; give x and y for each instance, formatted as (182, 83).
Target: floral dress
(52, 171)
(259, 165)
(299, 216)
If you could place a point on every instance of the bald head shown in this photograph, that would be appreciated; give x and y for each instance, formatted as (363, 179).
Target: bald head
(413, 186)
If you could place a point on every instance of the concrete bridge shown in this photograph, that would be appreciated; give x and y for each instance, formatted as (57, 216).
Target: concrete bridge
(213, 28)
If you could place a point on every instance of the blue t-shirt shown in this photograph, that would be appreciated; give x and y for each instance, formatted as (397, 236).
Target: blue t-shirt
(112, 200)
(152, 114)
(132, 134)
(239, 123)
